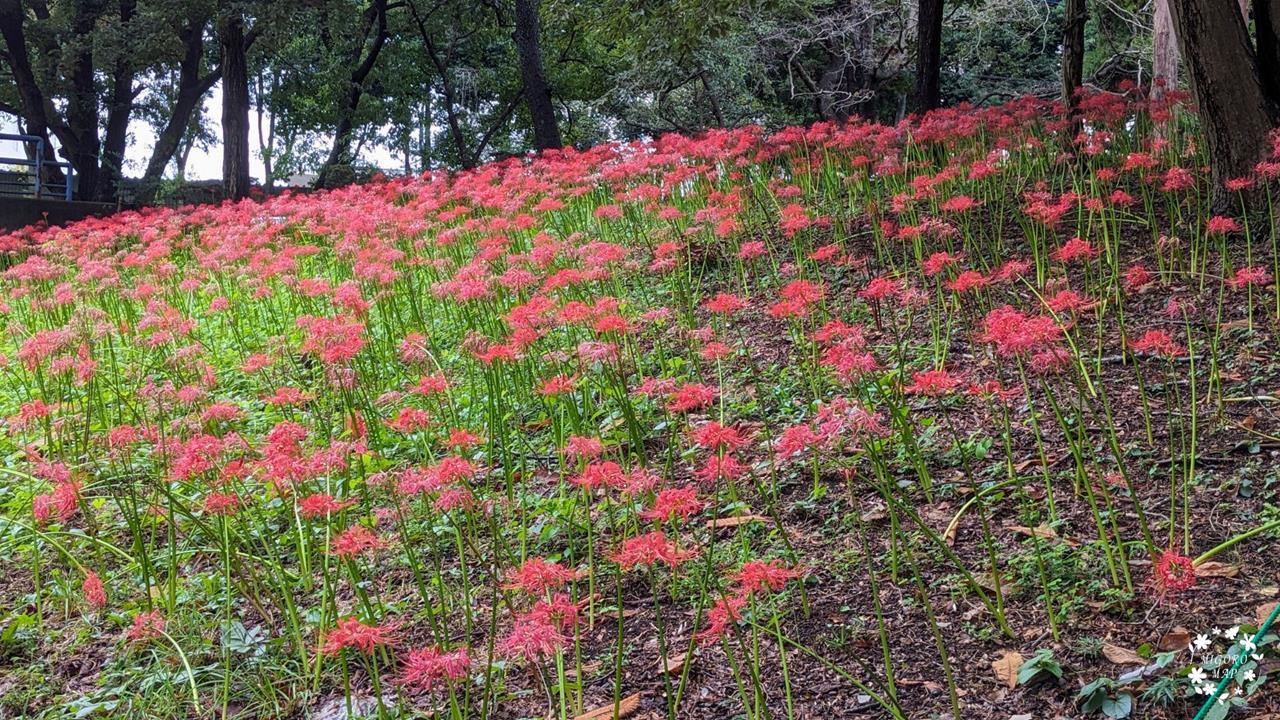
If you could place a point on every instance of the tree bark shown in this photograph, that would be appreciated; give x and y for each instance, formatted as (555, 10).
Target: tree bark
(191, 91)
(1235, 111)
(1075, 15)
(537, 92)
(119, 111)
(235, 106)
(82, 101)
(928, 94)
(375, 23)
(31, 99)
(1164, 52)
(1266, 20)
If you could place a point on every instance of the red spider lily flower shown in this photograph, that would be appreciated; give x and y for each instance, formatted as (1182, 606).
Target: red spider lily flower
(959, 204)
(425, 668)
(848, 360)
(1157, 342)
(94, 592)
(288, 397)
(1238, 184)
(558, 385)
(559, 611)
(650, 548)
(583, 448)
(840, 331)
(762, 576)
(356, 540)
(221, 504)
(720, 468)
(351, 633)
(1174, 573)
(1136, 277)
(714, 436)
(967, 281)
(653, 387)
(938, 262)
(62, 502)
(994, 390)
(220, 413)
(321, 505)
(599, 474)
(332, 340)
(722, 615)
(672, 503)
(1076, 248)
(533, 638)
(933, 383)
(1221, 225)
(1250, 276)
(724, 304)
(1014, 333)
(431, 385)
(452, 498)
(1068, 301)
(880, 288)
(536, 576)
(714, 351)
(691, 396)
(1011, 270)
(796, 439)
(639, 481)
(751, 250)
(462, 438)
(146, 626)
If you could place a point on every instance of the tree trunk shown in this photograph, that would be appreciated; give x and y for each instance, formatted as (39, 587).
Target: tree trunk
(1164, 52)
(1075, 15)
(928, 93)
(31, 99)
(1266, 20)
(191, 91)
(537, 92)
(119, 109)
(82, 102)
(235, 107)
(1222, 68)
(376, 22)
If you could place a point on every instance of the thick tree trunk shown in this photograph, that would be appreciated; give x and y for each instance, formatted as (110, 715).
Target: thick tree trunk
(1222, 68)
(119, 110)
(1164, 52)
(1266, 19)
(537, 92)
(1075, 15)
(31, 99)
(82, 102)
(191, 91)
(376, 23)
(235, 107)
(928, 93)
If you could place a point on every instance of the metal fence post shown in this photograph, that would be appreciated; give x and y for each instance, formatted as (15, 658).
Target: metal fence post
(39, 164)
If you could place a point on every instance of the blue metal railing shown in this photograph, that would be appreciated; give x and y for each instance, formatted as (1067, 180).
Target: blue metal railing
(34, 185)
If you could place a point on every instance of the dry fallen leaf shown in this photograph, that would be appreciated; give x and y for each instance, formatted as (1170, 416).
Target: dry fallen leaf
(673, 665)
(1006, 668)
(1176, 639)
(735, 521)
(1121, 656)
(625, 707)
(1214, 569)
(1044, 532)
(1262, 612)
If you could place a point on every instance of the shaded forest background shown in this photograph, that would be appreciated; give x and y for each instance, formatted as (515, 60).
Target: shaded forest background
(453, 83)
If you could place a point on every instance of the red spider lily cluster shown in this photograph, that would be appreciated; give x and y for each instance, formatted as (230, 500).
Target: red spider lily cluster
(514, 407)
